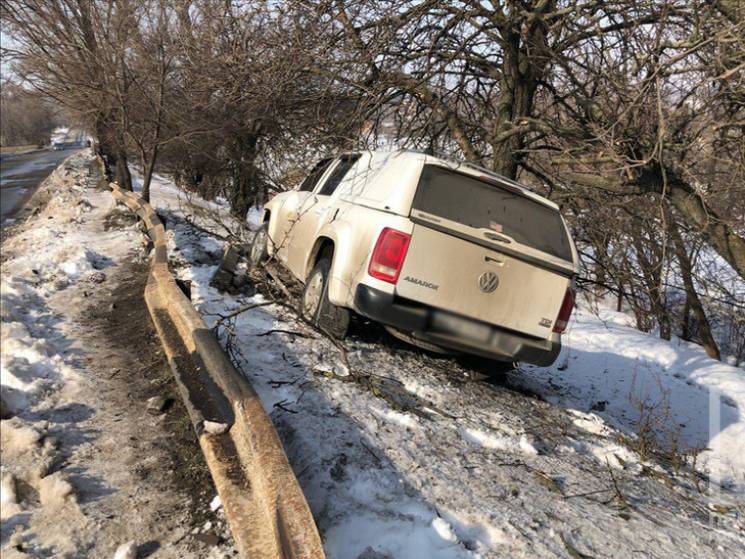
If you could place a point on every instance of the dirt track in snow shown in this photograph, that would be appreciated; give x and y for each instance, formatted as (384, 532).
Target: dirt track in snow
(133, 476)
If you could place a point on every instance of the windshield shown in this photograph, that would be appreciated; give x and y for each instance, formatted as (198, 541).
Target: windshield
(484, 205)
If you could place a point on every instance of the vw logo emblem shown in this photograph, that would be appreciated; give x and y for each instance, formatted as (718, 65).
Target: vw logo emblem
(488, 282)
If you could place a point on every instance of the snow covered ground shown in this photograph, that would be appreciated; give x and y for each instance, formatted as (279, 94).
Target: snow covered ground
(406, 457)
(418, 461)
(38, 265)
(83, 469)
(635, 380)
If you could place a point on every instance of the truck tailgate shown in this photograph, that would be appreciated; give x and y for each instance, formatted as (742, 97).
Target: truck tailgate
(457, 275)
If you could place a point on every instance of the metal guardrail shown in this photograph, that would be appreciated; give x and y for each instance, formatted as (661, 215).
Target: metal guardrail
(264, 504)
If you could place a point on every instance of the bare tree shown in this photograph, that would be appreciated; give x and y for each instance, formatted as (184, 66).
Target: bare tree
(57, 52)
(630, 114)
(587, 93)
(25, 118)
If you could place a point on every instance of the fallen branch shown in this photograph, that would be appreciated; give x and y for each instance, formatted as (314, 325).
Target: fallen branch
(622, 502)
(281, 331)
(225, 317)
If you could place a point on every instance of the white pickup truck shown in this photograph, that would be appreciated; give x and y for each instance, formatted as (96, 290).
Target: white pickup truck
(446, 255)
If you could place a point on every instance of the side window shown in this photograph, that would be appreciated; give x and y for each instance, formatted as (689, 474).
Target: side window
(312, 179)
(346, 162)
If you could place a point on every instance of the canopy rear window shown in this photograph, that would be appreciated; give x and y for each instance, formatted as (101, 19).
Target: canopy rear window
(483, 205)
(314, 176)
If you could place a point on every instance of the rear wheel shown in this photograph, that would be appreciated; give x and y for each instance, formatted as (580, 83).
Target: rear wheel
(315, 305)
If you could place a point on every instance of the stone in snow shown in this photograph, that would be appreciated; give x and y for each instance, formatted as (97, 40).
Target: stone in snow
(126, 551)
(216, 503)
(208, 539)
(155, 405)
(215, 428)
(97, 277)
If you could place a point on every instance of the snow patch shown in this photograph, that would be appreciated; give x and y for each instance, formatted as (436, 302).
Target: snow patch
(589, 422)
(444, 530)
(8, 496)
(394, 536)
(519, 444)
(626, 376)
(403, 419)
(255, 217)
(18, 437)
(126, 551)
(55, 491)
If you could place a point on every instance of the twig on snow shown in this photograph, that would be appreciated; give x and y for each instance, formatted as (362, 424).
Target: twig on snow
(281, 331)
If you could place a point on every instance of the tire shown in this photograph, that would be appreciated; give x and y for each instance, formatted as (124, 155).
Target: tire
(258, 253)
(315, 305)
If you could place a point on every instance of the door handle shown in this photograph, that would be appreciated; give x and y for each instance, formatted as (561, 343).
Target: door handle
(491, 260)
(499, 237)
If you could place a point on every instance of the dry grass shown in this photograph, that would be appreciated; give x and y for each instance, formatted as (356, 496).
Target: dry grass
(658, 437)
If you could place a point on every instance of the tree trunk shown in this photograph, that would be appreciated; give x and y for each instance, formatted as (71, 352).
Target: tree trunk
(105, 149)
(517, 90)
(148, 165)
(685, 321)
(697, 214)
(652, 274)
(246, 176)
(600, 267)
(692, 298)
(718, 234)
(123, 177)
(641, 315)
(245, 190)
(114, 156)
(526, 55)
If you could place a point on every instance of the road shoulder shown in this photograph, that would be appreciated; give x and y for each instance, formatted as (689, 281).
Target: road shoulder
(80, 368)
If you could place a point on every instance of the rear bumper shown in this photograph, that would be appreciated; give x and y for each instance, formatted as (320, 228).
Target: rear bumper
(452, 331)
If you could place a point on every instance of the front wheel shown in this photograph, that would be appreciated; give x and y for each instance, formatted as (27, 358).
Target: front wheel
(315, 305)
(258, 252)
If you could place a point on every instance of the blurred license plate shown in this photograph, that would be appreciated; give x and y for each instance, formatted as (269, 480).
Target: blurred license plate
(462, 327)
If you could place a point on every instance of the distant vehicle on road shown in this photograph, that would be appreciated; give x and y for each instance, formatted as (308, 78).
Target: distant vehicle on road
(446, 255)
(59, 146)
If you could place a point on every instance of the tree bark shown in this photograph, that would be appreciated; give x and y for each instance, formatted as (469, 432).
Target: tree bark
(692, 207)
(245, 177)
(718, 234)
(685, 321)
(526, 54)
(652, 274)
(148, 166)
(123, 177)
(692, 298)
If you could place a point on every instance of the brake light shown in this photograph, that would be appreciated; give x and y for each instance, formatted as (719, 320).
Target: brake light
(566, 311)
(388, 255)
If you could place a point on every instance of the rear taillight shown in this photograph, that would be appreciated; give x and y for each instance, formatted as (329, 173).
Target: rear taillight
(388, 255)
(566, 311)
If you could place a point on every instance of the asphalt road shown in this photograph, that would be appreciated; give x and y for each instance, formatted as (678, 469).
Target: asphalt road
(21, 174)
